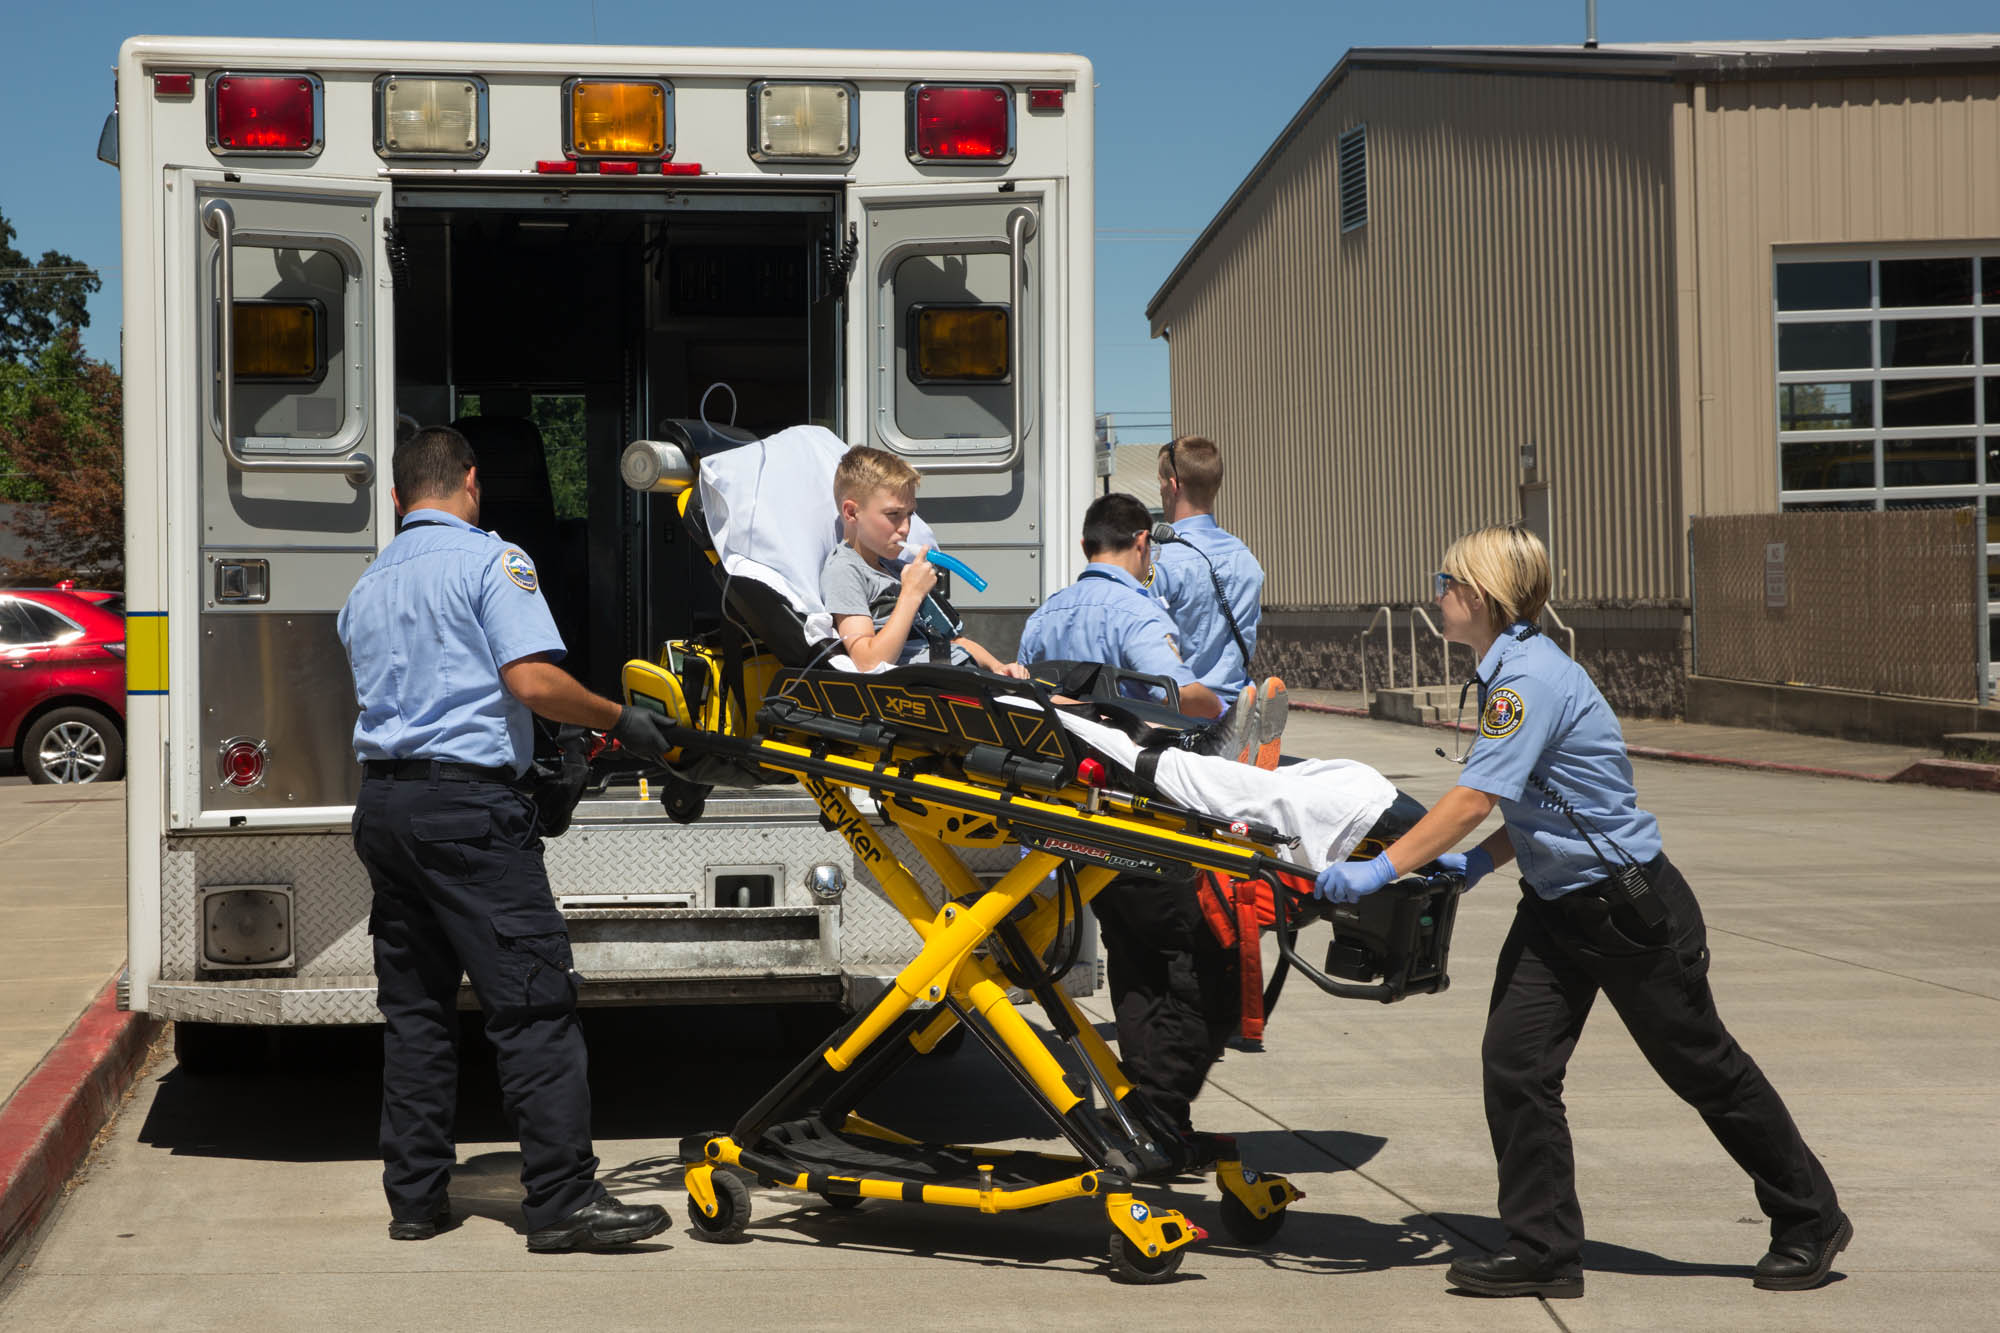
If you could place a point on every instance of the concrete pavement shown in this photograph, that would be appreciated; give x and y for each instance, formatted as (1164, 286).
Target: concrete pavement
(1856, 935)
(62, 895)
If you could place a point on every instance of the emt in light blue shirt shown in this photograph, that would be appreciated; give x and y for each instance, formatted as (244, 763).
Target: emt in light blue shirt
(1185, 581)
(1602, 910)
(1106, 615)
(452, 646)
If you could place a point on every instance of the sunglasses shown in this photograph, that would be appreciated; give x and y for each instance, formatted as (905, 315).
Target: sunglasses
(1441, 583)
(1172, 471)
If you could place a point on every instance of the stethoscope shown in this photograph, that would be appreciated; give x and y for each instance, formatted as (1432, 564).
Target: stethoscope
(1522, 632)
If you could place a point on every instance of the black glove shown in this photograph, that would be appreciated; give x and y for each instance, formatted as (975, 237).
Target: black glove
(560, 771)
(641, 731)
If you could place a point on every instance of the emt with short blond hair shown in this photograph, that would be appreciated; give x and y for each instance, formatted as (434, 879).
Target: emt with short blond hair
(1602, 910)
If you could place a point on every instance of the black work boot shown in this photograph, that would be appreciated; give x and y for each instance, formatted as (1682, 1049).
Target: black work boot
(1511, 1275)
(422, 1228)
(600, 1225)
(1802, 1265)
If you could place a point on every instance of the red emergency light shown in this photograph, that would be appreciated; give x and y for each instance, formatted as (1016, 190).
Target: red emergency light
(961, 123)
(1045, 99)
(243, 760)
(173, 85)
(264, 113)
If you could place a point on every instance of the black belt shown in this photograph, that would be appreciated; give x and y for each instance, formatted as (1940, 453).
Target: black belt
(425, 770)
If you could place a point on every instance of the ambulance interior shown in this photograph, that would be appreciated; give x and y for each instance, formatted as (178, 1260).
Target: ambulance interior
(555, 335)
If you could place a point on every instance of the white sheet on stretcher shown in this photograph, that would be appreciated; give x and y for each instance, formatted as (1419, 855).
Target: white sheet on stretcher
(1328, 804)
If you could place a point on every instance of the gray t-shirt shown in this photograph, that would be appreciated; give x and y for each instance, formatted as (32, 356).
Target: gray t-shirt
(851, 586)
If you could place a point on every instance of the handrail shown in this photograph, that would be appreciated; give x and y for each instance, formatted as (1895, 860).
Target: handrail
(218, 219)
(1020, 230)
(1549, 612)
(1418, 613)
(1388, 642)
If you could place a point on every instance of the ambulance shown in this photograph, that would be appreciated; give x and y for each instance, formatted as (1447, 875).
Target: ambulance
(562, 250)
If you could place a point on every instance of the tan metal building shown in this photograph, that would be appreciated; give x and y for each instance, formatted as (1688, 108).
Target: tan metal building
(1605, 290)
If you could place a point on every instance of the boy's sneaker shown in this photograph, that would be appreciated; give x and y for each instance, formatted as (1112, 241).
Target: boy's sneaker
(1234, 735)
(1272, 705)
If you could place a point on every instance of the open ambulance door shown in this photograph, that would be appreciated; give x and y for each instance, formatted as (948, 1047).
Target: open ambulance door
(959, 344)
(280, 427)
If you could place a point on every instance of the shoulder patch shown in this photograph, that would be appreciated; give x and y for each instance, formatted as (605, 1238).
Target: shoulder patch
(1174, 648)
(519, 568)
(1502, 717)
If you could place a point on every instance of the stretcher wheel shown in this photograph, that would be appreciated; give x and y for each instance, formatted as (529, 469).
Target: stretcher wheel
(1244, 1226)
(1131, 1264)
(732, 1209)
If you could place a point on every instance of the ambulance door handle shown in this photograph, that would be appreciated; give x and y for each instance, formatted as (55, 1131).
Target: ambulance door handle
(1020, 230)
(218, 219)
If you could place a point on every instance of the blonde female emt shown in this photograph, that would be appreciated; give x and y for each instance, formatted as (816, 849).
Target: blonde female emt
(1602, 909)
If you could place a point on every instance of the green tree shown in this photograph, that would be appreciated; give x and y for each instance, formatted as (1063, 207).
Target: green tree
(60, 426)
(37, 298)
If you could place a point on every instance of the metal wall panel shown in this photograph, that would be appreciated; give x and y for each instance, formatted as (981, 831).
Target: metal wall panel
(1798, 163)
(1514, 283)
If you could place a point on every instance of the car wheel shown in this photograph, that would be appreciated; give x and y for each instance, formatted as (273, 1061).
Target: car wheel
(73, 745)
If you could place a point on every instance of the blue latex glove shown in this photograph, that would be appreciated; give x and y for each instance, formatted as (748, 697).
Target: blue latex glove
(1351, 881)
(1475, 865)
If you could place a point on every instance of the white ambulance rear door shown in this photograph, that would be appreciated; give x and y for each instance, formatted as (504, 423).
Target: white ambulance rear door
(280, 429)
(982, 418)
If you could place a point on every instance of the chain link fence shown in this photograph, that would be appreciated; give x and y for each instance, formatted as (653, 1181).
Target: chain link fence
(1891, 602)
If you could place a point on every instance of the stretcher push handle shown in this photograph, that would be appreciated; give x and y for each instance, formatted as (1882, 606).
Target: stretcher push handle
(952, 565)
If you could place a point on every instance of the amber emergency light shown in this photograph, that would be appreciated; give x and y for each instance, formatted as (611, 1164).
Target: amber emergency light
(277, 340)
(617, 118)
(960, 343)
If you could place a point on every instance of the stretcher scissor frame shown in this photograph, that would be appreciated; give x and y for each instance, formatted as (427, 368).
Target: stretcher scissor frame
(954, 758)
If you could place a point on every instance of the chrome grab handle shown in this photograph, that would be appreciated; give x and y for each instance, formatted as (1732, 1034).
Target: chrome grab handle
(218, 219)
(1020, 230)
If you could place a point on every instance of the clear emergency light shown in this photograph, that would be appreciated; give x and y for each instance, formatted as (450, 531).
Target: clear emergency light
(803, 122)
(430, 116)
(627, 118)
(961, 123)
(958, 344)
(265, 113)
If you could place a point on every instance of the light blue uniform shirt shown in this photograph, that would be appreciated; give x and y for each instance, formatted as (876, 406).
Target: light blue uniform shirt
(1540, 713)
(427, 629)
(1181, 582)
(1105, 616)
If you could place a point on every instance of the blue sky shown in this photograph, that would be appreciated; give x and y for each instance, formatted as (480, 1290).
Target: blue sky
(1189, 95)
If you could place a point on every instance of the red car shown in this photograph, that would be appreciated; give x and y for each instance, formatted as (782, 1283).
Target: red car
(62, 683)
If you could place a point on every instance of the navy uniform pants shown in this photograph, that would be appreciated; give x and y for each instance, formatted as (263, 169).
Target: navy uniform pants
(1174, 990)
(1559, 955)
(460, 888)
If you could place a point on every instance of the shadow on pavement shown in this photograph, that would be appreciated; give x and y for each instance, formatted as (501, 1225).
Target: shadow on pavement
(661, 1073)
(1486, 1235)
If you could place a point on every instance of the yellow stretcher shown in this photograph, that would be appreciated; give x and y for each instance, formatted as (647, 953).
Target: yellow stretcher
(955, 759)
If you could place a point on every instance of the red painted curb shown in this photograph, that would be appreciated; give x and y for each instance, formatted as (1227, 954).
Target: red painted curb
(47, 1126)
(1929, 772)
(1960, 773)
(1761, 765)
(1338, 710)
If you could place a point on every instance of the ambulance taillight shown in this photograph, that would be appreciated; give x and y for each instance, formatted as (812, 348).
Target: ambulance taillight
(265, 113)
(961, 123)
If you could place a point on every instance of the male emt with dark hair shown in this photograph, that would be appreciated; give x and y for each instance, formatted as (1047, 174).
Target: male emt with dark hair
(1176, 993)
(452, 647)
